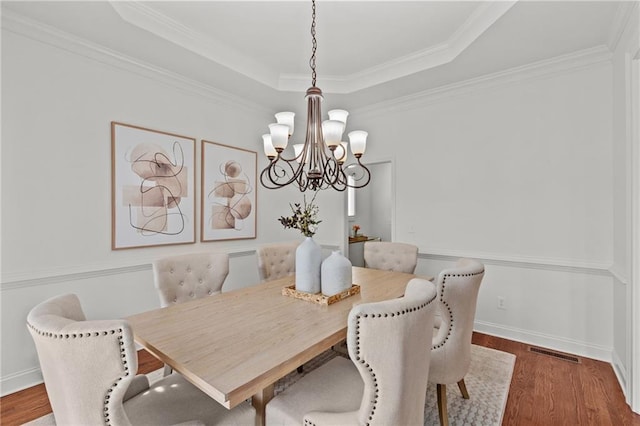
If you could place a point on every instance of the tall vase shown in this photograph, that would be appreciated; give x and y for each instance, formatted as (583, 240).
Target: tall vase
(336, 274)
(308, 261)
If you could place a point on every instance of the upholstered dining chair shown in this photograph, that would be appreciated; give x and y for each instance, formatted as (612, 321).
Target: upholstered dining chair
(89, 370)
(277, 260)
(384, 381)
(398, 257)
(189, 276)
(451, 347)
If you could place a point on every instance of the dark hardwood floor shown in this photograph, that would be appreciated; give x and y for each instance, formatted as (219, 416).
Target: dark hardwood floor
(544, 391)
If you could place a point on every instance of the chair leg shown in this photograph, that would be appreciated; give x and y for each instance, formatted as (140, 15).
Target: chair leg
(463, 389)
(442, 404)
(167, 370)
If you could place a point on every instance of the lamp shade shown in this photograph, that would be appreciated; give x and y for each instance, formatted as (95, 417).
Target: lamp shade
(339, 115)
(341, 153)
(332, 132)
(358, 139)
(297, 151)
(279, 135)
(286, 118)
(269, 150)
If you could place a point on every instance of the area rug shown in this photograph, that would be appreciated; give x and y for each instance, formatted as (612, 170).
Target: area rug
(488, 384)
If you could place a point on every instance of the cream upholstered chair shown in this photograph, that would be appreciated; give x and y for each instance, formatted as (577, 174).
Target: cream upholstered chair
(89, 370)
(398, 257)
(386, 381)
(277, 260)
(189, 276)
(451, 347)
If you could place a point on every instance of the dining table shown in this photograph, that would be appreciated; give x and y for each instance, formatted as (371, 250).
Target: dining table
(235, 345)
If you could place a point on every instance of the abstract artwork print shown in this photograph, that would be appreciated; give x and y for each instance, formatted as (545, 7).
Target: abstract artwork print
(228, 200)
(153, 187)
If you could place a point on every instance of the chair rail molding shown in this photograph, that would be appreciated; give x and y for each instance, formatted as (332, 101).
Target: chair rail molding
(500, 259)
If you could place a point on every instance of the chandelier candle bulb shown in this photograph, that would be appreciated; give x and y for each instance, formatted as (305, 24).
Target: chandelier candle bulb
(286, 118)
(339, 115)
(358, 139)
(269, 150)
(341, 152)
(332, 132)
(279, 136)
(297, 151)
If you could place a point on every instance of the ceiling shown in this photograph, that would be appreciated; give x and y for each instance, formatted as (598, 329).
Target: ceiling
(368, 51)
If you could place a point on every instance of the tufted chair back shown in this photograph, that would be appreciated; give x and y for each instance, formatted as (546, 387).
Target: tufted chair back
(458, 289)
(189, 276)
(87, 365)
(89, 370)
(385, 341)
(398, 257)
(277, 260)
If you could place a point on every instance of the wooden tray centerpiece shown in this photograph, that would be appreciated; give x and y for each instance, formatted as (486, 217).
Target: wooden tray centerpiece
(319, 298)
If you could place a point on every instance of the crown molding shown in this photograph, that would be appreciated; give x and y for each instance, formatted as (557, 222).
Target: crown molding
(561, 64)
(52, 36)
(621, 20)
(145, 17)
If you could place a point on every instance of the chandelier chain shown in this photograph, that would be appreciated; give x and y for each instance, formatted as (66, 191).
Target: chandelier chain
(312, 60)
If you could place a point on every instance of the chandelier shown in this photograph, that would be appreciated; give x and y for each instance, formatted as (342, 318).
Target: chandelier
(319, 163)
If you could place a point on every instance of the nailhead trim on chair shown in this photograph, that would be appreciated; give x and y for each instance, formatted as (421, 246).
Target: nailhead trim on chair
(107, 421)
(362, 361)
(444, 280)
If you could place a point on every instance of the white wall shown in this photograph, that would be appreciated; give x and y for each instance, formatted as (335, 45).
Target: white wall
(626, 48)
(517, 173)
(57, 105)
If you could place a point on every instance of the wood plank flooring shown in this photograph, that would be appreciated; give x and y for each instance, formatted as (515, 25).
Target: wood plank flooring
(544, 391)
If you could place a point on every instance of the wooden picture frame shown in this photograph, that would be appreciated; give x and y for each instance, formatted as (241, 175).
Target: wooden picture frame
(228, 192)
(152, 187)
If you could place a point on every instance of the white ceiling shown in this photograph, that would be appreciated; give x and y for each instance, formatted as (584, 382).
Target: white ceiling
(368, 51)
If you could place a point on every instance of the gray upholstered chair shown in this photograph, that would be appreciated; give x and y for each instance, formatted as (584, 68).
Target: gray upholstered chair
(451, 347)
(189, 276)
(384, 382)
(398, 257)
(277, 260)
(89, 370)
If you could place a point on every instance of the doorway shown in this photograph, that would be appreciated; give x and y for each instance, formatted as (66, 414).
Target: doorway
(371, 208)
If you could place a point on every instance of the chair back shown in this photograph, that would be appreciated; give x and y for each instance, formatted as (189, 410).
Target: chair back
(277, 260)
(398, 257)
(390, 346)
(458, 289)
(189, 276)
(87, 365)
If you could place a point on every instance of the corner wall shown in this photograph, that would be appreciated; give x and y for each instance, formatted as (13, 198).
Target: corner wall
(515, 170)
(59, 96)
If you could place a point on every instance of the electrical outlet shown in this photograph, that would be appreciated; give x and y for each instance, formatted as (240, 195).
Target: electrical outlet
(502, 303)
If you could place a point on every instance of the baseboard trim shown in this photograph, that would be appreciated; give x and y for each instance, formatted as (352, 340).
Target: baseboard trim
(598, 352)
(620, 372)
(19, 381)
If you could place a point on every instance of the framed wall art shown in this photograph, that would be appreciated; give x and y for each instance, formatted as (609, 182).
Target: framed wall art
(228, 199)
(152, 187)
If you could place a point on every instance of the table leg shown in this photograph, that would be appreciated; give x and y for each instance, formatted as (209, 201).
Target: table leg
(259, 402)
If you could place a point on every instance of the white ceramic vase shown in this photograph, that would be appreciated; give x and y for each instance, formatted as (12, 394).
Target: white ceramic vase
(336, 274)
(308, 262)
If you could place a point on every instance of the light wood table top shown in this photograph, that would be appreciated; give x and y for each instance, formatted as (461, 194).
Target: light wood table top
(235, 345)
